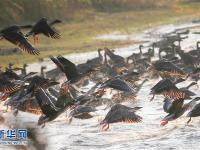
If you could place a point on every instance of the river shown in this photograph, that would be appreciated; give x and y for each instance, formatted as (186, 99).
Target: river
(85, 134)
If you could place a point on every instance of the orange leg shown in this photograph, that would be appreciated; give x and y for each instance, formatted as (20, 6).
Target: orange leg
(163, 123)
(37, 39)
(101, 92)
(3, 98)
(34, 39)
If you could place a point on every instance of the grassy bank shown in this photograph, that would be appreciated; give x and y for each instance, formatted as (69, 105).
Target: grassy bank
(78, 33)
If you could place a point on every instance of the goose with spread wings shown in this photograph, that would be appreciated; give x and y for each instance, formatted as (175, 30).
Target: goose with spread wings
(52, 107)
(120, 113)
(167, 69)
(167, 88)
(43, 27)
(176, 109)
(14, 35)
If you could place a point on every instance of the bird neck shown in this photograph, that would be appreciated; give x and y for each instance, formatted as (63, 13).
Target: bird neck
(140, 48)
(42, 72)
(105, 58)
(99, 53)
(190, 85)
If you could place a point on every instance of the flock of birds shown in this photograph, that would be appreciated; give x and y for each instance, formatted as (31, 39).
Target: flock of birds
(119, 77)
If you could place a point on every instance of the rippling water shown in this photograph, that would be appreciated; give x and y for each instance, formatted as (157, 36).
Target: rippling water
(84, 134)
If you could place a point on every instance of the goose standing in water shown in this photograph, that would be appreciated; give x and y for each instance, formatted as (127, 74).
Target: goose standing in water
(42, 73)
(115, 59)
(95, 62)
(188, 60)
(195, 52)
(23, 71)
(135, 56)
(151, 51)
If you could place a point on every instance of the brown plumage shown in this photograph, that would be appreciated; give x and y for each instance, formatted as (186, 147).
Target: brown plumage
(167, 88)
(43, 27)
(120, 113)
(16, 37)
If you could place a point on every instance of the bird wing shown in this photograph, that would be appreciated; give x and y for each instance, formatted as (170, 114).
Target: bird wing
(168, 89)
(170, 69)
(26, 26)
(122, 115)
(167, 105)
(85, 109)
(69, 68)
(10, 75)
(176, 106)
(8, 86)
(169, 117)
(55, 22)
(119, 84)
(18, 39)
(58, 63)
(187, 92)
(195, 111)
(130, 117)
(163, 85)
(84, 68)
(54, 92)
(50, 31)
(45, 102)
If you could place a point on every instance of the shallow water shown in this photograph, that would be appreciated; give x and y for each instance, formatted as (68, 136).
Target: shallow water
(84, 134)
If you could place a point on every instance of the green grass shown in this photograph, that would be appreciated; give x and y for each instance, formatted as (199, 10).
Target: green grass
(78, 35)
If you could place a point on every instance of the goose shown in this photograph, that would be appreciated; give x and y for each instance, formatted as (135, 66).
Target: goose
(14, 35)
(43, 27)
(120, 113)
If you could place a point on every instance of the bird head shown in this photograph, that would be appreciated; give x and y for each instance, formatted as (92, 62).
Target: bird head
(65, 87)
(193, 83)
(196, 98)
(42, 120)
